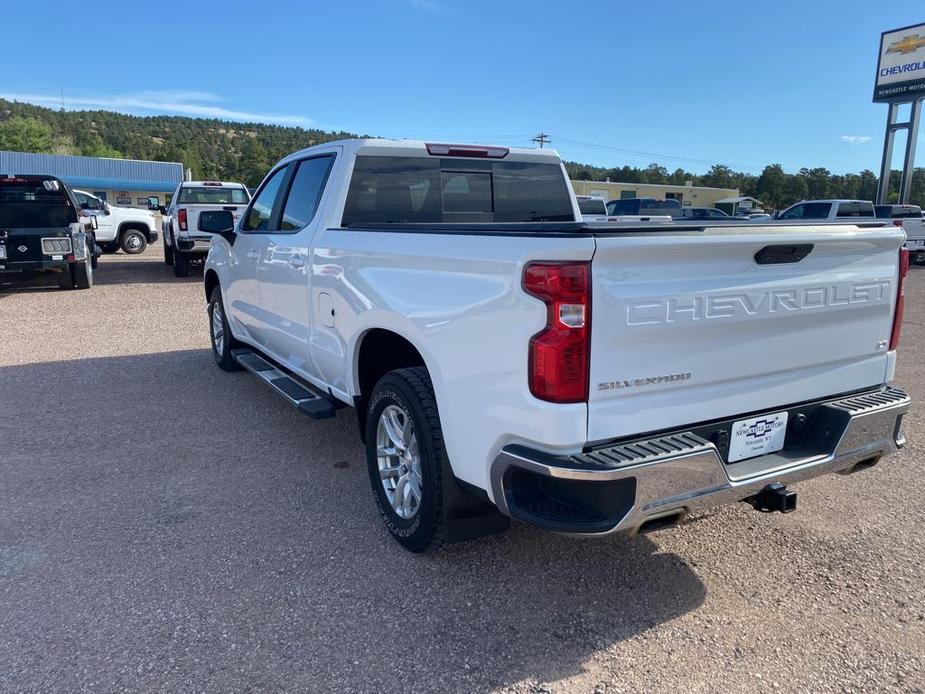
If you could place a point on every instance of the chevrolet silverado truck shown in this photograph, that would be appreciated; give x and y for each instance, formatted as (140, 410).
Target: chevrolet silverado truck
(119, 227)
(43, 233)
(506, 360)
(185, 242)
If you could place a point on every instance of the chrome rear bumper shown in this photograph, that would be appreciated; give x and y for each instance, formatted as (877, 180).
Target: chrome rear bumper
(629, 486)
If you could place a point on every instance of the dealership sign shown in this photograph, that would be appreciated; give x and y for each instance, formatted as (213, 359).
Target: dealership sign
(901, 67)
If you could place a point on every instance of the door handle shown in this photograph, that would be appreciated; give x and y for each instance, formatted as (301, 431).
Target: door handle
(252, 254)
(296, 261)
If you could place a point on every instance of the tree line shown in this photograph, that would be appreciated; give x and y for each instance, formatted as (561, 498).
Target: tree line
(216, 149)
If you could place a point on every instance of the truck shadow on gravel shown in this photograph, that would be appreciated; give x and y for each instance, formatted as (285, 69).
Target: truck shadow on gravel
(205, 512)
(120, 269)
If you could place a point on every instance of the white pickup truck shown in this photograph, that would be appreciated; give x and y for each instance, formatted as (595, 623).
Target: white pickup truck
(508, 361)
(909, 217)
(184, 241)
(827, 210)
(119, 227)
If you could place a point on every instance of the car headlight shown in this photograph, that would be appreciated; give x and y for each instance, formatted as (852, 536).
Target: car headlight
(2, 252)
(60, 245)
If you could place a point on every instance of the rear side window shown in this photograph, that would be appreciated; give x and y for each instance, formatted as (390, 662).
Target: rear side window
(305, 192)
(396, 190)
(650, 207)
(34, 203)
(855, 209)
(592, 206)
(212, 195)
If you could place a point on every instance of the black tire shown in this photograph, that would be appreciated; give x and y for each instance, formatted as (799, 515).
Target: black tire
(133, 241)
(109, 247)
(182, 264)
(66, 278)
(83, 274)
(413, 393)
(221, 353)
(168, 252)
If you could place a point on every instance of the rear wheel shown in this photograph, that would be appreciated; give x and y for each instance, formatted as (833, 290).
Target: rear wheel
(133, 241)
(220, 333)
(83, 273)
(182, 263)
(168, 252)
(66, 278)
(405, 456)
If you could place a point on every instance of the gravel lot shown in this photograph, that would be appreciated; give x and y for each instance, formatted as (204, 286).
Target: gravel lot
(167, 526)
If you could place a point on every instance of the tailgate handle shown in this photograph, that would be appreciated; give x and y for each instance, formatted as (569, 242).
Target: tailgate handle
(230, 208)
(775, 255)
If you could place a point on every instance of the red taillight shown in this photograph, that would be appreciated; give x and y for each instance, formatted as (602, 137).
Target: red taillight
(559, 353)
(181, 219)
(900, 298)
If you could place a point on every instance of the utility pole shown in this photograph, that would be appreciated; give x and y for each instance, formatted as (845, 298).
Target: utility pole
(542, 139)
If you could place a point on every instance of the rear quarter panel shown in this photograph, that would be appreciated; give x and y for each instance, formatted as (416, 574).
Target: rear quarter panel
(458, 299)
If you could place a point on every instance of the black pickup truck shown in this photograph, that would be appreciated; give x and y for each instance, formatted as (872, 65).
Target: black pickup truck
(43, 232)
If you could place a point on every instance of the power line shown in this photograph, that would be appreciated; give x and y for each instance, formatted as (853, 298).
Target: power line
(639, 153)
(542, 139)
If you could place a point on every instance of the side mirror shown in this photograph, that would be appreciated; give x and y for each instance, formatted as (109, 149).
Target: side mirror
(218, 222)
(106, 208)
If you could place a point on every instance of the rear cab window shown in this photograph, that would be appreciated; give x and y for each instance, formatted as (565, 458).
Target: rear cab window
(35, 203)
(212, 195)
(446, 190)
(593, 206)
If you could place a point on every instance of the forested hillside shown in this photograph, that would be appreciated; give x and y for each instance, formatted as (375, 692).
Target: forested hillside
(216, 149)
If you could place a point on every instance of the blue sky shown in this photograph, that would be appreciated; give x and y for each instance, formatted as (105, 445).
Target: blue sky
(683, 84)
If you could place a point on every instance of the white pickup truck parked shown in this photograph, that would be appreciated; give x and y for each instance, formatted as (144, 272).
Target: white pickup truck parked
(909, 217)
(184, 241)
(827, 210)
(503, 356)
(119, 227)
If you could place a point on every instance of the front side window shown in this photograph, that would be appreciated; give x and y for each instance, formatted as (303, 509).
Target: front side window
(305, 192)
(808, 210)
(261, 212)
(396, 190)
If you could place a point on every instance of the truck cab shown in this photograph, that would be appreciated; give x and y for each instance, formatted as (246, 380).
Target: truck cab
(119, 227)
(828, 210)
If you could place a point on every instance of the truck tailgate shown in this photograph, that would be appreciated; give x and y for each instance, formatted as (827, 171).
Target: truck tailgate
(688, 326)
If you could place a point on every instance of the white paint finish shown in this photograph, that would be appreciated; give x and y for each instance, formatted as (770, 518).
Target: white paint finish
(458, 299)
(751, 337)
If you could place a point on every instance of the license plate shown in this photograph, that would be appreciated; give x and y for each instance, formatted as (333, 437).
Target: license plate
(757, 436)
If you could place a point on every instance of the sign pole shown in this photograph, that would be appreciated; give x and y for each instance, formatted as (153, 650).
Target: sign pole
(886, 164)
(912, 135)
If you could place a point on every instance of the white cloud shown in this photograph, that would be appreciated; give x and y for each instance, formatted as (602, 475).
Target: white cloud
(855, 139)
(177, 101)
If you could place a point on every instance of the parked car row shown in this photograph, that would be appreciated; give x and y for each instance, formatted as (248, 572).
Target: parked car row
(447, 293)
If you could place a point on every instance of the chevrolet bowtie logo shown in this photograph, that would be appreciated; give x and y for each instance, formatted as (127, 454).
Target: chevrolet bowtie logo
(908, 44)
